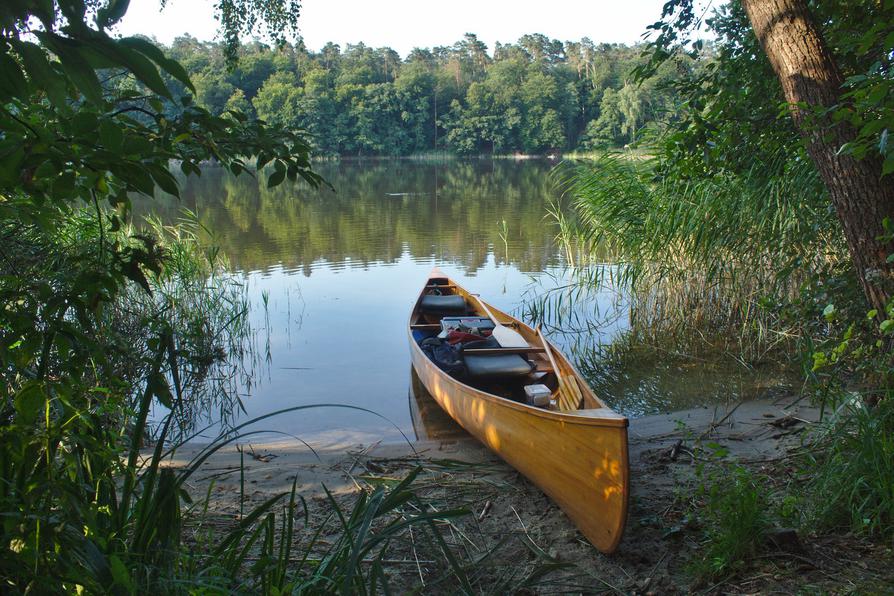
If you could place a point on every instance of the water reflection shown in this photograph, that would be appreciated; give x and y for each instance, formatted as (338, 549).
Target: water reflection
(332, 277)
(430, 422)
(450, 212)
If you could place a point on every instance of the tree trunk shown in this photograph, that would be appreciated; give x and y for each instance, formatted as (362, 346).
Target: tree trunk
(812, 82)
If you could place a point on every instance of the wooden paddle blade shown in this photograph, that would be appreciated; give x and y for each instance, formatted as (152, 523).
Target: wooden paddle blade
(508, 338)
(569, 394)
(565, 396)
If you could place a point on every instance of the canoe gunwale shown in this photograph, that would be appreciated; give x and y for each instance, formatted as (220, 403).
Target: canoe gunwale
(566, 417)
(569, 417)
(579, 459)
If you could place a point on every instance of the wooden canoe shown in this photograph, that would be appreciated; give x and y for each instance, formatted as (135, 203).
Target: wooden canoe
(578, 457)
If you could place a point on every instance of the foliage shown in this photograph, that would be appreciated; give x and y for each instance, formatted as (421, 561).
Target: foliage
(850, 472)
(733, 510)
(708, 254)
(732, 197)
(275, 18)
(732, 109)
(70, 496)
(536, 96)
(851, 354)
(86, 120)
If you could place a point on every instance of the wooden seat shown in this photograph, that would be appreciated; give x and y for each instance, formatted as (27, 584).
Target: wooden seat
(505, 366)
(449, 304)
(496, 351)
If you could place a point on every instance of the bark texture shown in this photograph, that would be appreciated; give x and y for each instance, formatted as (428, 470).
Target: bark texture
(811, 81)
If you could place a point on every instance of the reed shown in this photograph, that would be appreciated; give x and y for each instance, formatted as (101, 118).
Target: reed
(705, 261)
(196, 295)
(851, 471)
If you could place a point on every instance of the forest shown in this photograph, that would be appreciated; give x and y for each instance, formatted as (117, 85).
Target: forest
(535, 96)
(756, 226)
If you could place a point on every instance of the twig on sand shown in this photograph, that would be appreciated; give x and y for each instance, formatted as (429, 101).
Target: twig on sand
(415, 556)
(363, 452)
(713, 426)
(655, 568)
(484, 510)
(524, 528)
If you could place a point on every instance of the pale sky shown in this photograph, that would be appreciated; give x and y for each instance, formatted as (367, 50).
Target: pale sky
(405, 24)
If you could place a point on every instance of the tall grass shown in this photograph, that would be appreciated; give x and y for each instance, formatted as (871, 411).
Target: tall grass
(207, 306)
(705, 260)
(850, 471)
(734, 510)
(88, 504)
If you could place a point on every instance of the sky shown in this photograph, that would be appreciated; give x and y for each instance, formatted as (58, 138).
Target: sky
(405, 24)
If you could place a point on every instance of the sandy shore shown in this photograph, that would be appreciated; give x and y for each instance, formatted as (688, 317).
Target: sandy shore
(513, 516)
(745, 428)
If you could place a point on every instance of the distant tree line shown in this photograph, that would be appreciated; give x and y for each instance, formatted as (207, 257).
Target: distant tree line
(536, 96)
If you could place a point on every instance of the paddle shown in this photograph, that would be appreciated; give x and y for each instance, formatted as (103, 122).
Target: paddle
(569, 397)
(506, 337)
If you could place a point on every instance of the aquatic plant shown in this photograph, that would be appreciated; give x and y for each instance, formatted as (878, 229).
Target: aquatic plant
(706, 260)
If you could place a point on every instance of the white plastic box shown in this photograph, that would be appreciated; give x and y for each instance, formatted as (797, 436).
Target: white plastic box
(538, 395)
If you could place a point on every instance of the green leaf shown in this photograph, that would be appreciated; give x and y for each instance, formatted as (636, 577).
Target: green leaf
(141, 67)
(172, 67)
(10, 165)
(84, 123)
(120, 574)
(42, 74)
(43, 9)
(29, 402)
(877, 94)
(12, 81)
(111, 135)
(829, 312)
(137, 145)
(887, 325)
(276, 178)
(888, 166)
(111, 13)
(165, 181)
(158, 385)
(75, 65)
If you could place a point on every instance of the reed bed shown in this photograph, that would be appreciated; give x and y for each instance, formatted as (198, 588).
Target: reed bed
(708, 262)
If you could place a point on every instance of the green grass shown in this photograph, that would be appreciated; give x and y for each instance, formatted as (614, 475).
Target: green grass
(733, 509)
(850, 471)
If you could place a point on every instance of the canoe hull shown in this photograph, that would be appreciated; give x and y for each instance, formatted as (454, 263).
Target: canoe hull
(580, 462)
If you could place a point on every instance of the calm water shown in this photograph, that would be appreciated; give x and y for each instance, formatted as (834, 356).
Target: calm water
(332, 277)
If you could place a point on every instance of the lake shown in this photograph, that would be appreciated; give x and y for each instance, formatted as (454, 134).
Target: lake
(332, 275)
